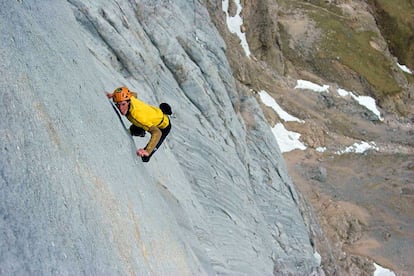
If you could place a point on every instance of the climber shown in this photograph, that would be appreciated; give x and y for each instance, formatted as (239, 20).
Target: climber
(144, 118)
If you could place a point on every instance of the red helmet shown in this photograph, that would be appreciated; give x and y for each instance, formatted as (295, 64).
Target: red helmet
(121, 94)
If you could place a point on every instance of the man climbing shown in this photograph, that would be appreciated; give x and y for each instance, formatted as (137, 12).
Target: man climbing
(144, 118)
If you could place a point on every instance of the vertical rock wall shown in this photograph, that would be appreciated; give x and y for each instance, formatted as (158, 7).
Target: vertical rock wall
(216, 198)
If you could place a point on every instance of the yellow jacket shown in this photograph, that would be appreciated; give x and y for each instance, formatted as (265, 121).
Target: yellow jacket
(149, 118)
(146, 116)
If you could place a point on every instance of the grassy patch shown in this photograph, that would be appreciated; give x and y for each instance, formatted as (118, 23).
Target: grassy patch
(401, 9)
(396, 21)
(352, 48)
(344, 42)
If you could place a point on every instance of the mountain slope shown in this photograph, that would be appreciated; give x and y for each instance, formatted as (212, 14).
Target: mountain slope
(363, 200)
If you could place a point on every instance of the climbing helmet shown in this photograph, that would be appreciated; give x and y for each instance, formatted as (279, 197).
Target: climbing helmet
(121, 94)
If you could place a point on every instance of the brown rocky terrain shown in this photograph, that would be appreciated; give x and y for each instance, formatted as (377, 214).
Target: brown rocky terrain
(363, 202)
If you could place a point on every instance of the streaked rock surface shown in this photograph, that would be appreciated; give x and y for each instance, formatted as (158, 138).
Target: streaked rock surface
(74, 197)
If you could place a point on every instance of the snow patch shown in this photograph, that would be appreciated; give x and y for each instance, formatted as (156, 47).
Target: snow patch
(287, 140)
(321, 149)
(366, 101)
(304, 84)
(359, 148)
(342, 92)
(234, 24)
(269, 101)
(405, 68)
(380, 271)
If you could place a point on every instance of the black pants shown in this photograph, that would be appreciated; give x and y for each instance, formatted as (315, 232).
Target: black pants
(137, 131)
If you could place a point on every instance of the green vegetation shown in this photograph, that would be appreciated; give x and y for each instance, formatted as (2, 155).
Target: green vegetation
(352, 48)
(396, 21)
(401, 9)
(344, 47)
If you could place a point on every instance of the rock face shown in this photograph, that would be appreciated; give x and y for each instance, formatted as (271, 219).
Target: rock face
(75, 199)
(217, 197)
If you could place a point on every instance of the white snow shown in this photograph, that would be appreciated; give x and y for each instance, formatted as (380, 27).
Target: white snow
(304, 84)
(359, 148)
(342, 92)
(405, 68)
(234, 24)
(366, 101)
(321, 149)
(269, 101)
(287, 140)
(369, 103)
(380, 271)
